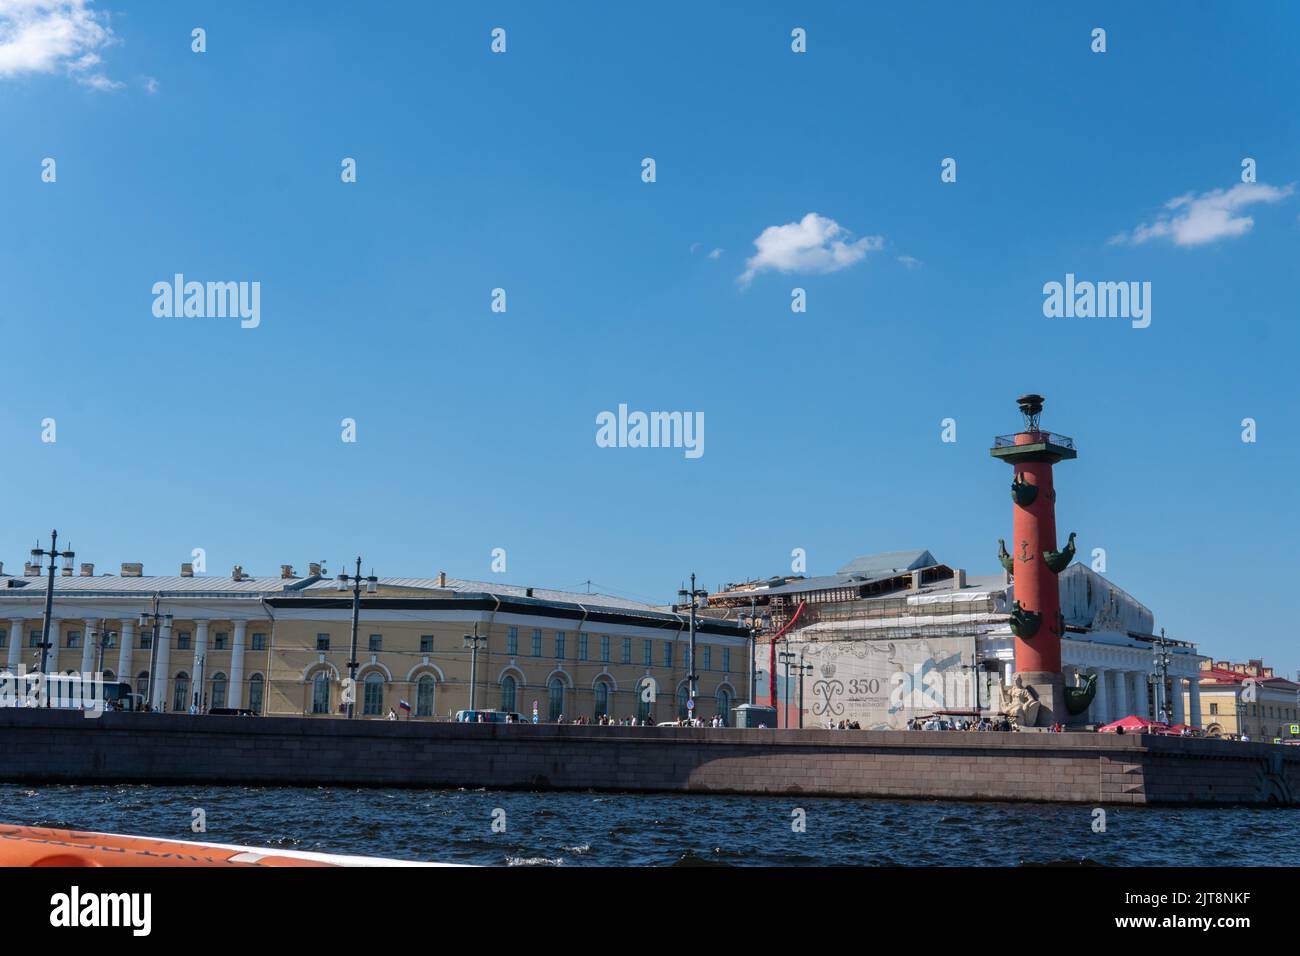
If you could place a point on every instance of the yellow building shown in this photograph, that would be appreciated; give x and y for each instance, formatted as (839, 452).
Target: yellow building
(1248, 699)
(281, 645)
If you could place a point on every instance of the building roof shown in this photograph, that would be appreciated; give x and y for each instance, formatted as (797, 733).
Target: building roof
(888, 563)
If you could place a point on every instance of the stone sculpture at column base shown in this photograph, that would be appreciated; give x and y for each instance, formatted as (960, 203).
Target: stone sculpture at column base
(1037, 699)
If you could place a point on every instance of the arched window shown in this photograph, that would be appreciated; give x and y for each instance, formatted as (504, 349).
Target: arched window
(320, 693)
(424, 689)
(509, 691)
(373, 705)
(602, 700)
(556, 688)
(722, 701)
(218, 690)
(109, 676)
(645, 709)
(256, 693)
(181, 693)
(142, 683)
(683, 695)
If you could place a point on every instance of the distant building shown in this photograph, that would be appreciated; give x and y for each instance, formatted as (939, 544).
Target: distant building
(1246, 699)
(899, 635)
(281, 645)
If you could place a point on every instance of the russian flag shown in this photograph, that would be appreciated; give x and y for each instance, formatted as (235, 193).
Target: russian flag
(404, 705)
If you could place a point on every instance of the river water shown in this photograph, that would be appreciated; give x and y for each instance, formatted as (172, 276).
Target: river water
(626, 829)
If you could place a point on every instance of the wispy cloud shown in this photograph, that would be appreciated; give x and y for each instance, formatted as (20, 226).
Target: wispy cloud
(52, 36)
(910, 261)
(814, 244)
(1193, 220)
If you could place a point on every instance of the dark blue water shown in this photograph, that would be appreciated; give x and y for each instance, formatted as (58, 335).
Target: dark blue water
(568, 829)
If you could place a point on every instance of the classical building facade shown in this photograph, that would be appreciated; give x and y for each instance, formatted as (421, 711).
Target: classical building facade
(899, 635)
(1235, 699)
(281, 645)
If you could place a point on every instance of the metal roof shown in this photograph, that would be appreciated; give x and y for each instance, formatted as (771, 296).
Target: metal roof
(877, 565)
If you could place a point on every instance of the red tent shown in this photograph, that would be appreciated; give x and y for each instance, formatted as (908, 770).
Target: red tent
(1177, 729)
(1134, 724)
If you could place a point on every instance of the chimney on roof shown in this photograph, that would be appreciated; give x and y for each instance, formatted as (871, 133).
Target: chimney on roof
(238, 572)
(187, 570)
(1267, 671)
(528, 592)
(87, 570)
(31, 570)
(958, 579)
(314, 569)
(286, 571)
(442, 579)
(2, 567)
(132, 569)
(916, 580)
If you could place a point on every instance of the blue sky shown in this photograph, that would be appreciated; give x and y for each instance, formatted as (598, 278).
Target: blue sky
(522, 170)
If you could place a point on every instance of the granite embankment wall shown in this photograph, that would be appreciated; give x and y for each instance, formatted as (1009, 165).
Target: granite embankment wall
(65, 746)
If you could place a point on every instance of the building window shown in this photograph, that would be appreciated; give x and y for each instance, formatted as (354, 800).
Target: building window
(627, 650)
(142, 683)
(74, 639)
(376, 643)
(668, 653)
(4, 638)
(708, 658)
(424, 696)
(426, 643)
(259, 642)
(320, 693)
(583, 638)
(219, 644)
(556, 709)
(182, 640)
(146, 639)
(649, 653)
(512, 642)
(181, 693)
(683, 696)
(218, 690)
(559, 645)
(602, 700)
(537, 642)
(374, 699)
(726, 659)
(722, 702)
(508, 687)
(256, 693)
(644, 708)
(34, 639)
(322, 642)
(604, 648)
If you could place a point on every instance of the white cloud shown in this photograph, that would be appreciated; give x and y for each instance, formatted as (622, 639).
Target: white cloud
(1193, 220)
(151, 84)
(813, 244)
(910, 261)
(715, 254)
(49, 36)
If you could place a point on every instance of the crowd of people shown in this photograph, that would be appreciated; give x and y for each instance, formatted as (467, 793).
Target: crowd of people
(984, 724)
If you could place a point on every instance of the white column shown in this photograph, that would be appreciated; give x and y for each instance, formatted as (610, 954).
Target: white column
(235, 689)
(56, 638)
(1179, 715)
(164, 660)
(1144, 694)
(1101, 701)
(125, 640)
(1133, 689)
(88, 646)
(1195, 689)
(199, 672)
(1120, 701)
(16, 641)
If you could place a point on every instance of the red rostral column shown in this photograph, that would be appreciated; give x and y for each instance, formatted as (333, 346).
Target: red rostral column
(1035, 561)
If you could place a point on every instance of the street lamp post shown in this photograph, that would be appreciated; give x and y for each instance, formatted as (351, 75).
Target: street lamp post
(104, 639)
(53, 554)
(693, 596)
(472, 641)
(786, 658)
(341, 584)
(803, 670)
(755, 623)
(1163, 660)
(155, 620)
